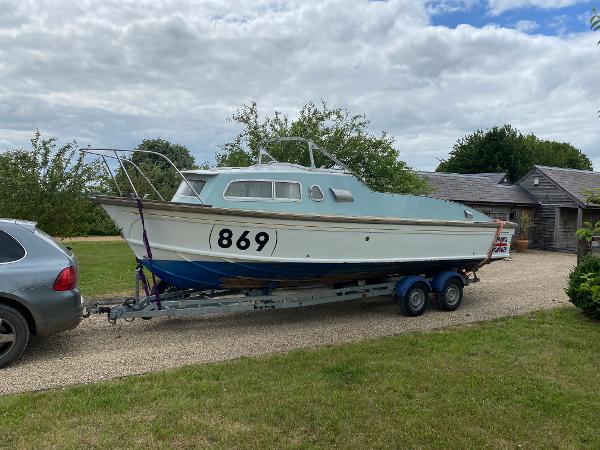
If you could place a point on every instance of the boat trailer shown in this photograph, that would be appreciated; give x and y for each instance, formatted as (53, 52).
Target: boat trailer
(411, 291)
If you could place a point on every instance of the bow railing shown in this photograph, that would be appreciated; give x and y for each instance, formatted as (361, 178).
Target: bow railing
(103, 153)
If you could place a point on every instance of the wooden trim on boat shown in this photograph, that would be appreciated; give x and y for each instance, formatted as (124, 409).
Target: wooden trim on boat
(208, 209)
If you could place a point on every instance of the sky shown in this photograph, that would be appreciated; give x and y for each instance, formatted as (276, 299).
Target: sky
(111, 73)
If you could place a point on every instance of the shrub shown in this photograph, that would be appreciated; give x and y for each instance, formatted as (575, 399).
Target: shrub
(584, 286)
(50, 184)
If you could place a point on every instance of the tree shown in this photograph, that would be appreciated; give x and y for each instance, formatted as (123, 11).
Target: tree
(344, 135)
(595, 21)
(51, 185)
(504, 149)
(157, 169)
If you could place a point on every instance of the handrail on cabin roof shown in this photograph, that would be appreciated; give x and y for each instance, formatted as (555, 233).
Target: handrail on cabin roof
(311, 148)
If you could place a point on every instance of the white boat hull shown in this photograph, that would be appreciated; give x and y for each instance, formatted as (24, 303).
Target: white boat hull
(195, 246)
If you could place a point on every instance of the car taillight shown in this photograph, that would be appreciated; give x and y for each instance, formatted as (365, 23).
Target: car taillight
(66, 280)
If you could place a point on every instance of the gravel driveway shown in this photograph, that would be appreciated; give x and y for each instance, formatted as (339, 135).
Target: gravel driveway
(98, 351)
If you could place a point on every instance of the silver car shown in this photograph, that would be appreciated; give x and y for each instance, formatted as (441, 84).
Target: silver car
(38, 287)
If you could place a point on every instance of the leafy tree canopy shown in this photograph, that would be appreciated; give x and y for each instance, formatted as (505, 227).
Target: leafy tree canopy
(505, 149)
(50, 185)
(344, 135)
(157, 169)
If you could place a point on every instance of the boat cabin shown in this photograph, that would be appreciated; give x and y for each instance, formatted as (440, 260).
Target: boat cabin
(271, 185)
(276, 186)
(296, 189)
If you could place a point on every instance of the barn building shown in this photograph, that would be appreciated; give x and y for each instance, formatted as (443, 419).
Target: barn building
(557, 199)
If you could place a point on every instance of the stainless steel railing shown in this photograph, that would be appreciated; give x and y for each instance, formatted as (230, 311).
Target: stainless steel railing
(102, 153)
(311, 149)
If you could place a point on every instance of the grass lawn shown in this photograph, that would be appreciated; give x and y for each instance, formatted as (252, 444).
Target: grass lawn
(106, 267)
(531, 381)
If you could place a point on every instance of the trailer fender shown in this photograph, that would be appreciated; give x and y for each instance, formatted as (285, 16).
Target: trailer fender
(438, 282)
(407, 282)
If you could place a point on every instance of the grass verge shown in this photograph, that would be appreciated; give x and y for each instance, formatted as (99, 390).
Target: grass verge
(531, 381)
(106, 267)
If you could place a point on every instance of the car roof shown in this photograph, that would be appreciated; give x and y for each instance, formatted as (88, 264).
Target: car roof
(28, 223)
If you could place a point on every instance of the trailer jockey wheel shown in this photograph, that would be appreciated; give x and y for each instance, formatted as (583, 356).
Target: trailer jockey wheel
(451, 295)
(415, 300)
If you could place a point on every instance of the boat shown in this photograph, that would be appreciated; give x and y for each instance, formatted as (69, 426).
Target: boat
(277, 224)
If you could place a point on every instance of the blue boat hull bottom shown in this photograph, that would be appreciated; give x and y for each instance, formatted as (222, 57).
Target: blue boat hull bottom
(219, 275)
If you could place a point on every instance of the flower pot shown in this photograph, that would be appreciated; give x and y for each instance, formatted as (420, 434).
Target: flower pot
(522, 244)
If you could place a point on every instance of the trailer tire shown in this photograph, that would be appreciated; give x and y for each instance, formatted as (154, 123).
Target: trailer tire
(414, 302)
(15, 331)
(451, 295)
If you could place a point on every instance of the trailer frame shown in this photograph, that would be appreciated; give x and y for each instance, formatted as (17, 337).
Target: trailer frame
(191, 302)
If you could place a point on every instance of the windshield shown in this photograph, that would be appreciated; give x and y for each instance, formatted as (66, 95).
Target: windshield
(184, 189)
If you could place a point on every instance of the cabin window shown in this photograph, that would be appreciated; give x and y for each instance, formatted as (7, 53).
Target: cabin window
(536, 181)
(263, 190)
(250, 189)
(315, 193)
(285, 190)
(184, 188)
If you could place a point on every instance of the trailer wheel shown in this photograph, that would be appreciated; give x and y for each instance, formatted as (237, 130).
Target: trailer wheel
(14, 334)
(415, 300)
(451, 295)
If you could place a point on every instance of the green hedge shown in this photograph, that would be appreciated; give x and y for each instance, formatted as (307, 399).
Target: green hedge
(584, 286)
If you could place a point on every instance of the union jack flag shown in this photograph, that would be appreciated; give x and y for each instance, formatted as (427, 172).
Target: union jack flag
(500, 244)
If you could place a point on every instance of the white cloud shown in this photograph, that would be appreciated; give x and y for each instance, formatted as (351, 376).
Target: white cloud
(113, 74)
(526, 26)
(500, 6)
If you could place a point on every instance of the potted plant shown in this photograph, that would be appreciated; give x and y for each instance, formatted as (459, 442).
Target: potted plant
(525, 224)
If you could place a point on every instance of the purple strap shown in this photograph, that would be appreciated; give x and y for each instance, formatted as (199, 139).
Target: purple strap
(142, 278)
(148, 252)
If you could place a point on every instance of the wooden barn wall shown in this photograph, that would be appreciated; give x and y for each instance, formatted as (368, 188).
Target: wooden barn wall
(542, 234)
(546, 191)
(566, 230)
(495, 211)
(592, 215)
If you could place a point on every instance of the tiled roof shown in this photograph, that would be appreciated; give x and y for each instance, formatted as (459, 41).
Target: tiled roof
(575, 182)
(474, 188)
(496, 177)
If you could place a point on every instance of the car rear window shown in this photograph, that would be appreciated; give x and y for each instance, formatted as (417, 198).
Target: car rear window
(10, 249)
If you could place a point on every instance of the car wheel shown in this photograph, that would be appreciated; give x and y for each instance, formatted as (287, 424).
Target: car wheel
(14, 334)
(415, 300)
(451, 295)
